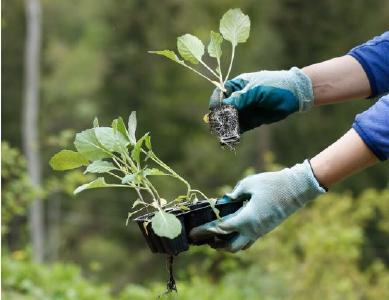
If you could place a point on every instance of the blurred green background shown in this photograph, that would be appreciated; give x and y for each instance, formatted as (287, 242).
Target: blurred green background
(94, 63)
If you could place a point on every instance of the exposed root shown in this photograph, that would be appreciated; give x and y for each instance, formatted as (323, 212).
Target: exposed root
(171, 283)
(224, 122)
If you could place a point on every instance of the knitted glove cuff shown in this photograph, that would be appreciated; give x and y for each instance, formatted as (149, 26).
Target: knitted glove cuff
(309, 188)
(303, 89)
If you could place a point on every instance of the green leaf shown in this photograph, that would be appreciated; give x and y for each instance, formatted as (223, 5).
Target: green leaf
(154, 172)
(87, 144)
(121, 127)
(214, 46)
(111, 140)
(98, 183)
(148, 142)
(67, 159)
(114, 125)
(235, 26)
(95, 123)
(132, 127)
(135, 153)
(128, 178)
(169, 54)
(190, 47)
(184, 207)
(100, 166)
(166, 225)
(181, 198)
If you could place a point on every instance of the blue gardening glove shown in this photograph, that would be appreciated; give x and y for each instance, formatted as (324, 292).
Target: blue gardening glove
(274, 196)
(267, 96)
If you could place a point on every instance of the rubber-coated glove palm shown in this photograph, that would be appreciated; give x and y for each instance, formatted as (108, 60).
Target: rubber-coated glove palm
(274, 196)
(267, 96)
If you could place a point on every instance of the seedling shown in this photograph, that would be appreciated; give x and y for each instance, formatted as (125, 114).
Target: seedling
(234, 28)
(115, 153)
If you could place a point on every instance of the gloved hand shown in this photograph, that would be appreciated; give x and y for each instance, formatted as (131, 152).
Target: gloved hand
(267, 96)
(274, 196)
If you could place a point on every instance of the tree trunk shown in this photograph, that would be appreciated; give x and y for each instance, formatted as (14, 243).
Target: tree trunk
(30, 128)
(53, 216)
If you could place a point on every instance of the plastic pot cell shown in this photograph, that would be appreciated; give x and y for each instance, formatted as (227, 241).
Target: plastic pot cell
(198, 214)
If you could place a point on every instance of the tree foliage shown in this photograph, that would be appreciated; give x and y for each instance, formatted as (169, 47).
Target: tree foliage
(94, 62)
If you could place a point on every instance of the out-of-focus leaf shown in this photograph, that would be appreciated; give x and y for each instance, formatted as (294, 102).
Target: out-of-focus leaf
(67, 159)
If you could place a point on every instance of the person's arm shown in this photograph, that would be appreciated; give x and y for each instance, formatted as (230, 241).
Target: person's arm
(338, 79)
(274, 196)
(363, 72)
(343, 158)
(265, 97)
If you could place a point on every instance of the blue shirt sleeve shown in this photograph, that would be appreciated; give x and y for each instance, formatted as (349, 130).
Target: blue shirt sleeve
(373, 127)
(374, 58)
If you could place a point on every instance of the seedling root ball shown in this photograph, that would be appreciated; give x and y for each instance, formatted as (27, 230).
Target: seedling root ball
(224, 123)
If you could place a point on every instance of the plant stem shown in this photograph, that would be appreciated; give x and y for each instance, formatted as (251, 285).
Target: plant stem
(122, 185)
(118, 165)
(114, 175)
(158, 198)
(199, 192)
(139, 194)
(209, 69)
(221, 80)
(147, 188)
(135, 212)
(202, 75)
(220, 71)
(171, 202)
(229, 68)
(128, 158)
(167, 168)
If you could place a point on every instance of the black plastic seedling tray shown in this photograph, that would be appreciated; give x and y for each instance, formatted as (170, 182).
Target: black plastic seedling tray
(199, 213)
